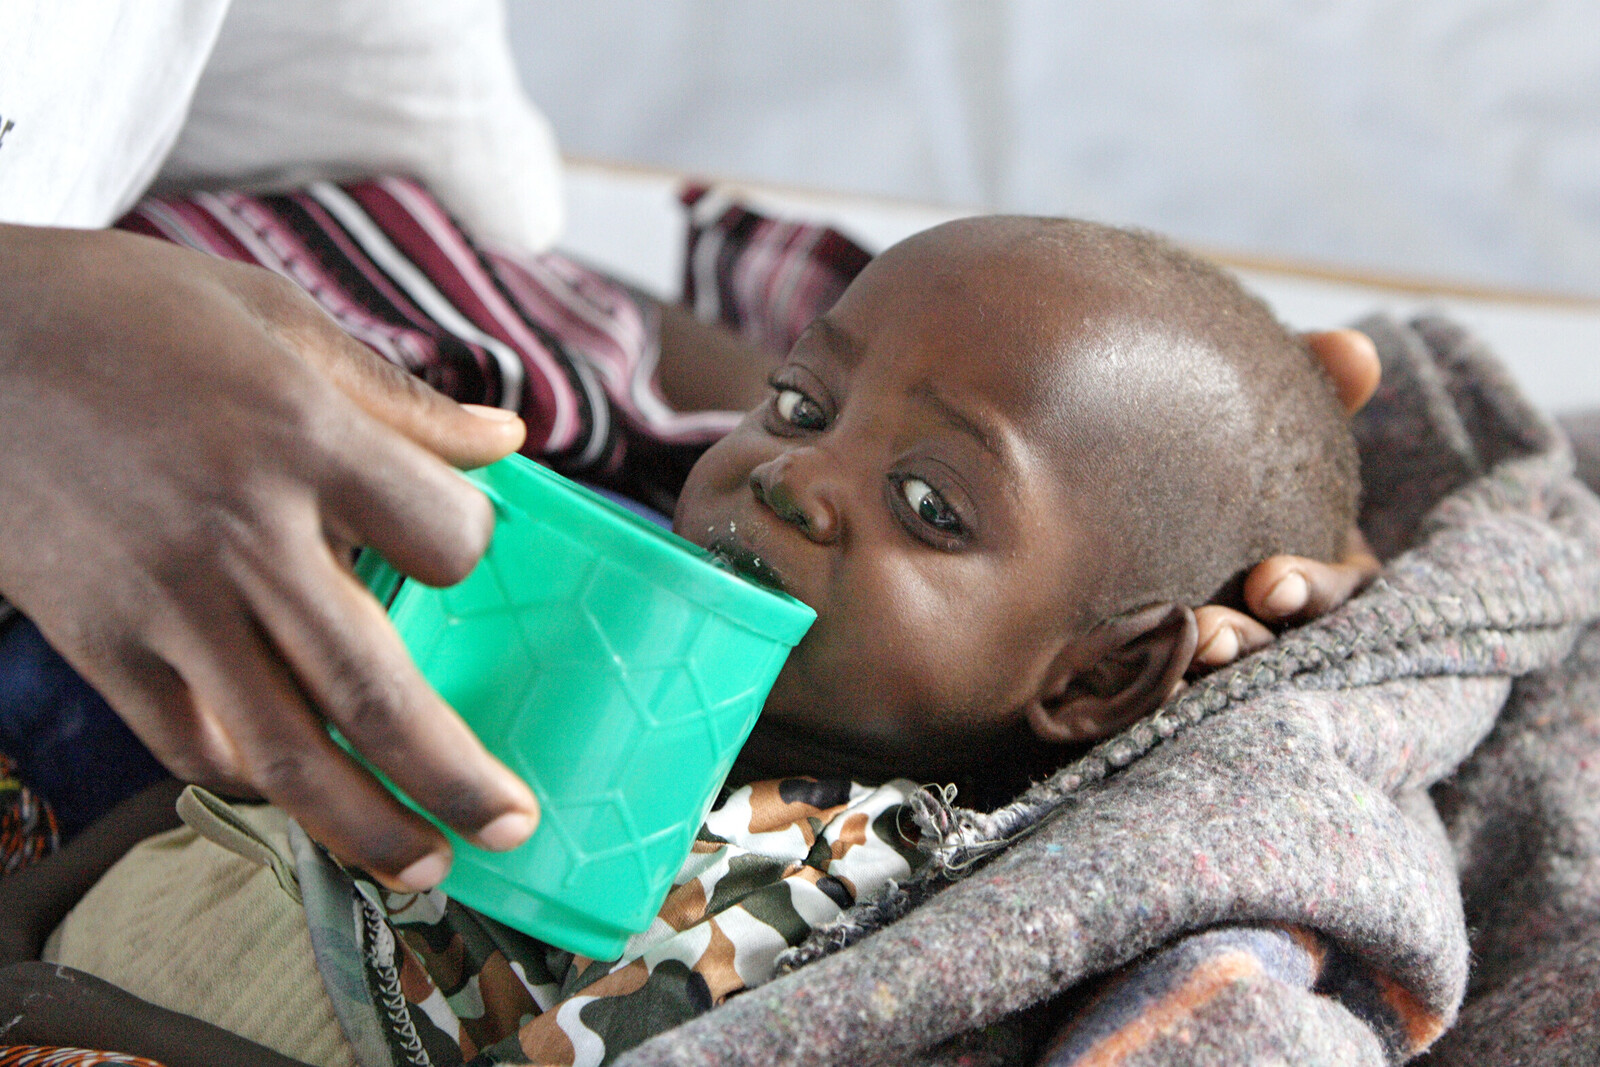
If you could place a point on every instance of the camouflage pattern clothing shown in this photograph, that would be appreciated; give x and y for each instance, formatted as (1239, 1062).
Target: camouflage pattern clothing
(419, 979)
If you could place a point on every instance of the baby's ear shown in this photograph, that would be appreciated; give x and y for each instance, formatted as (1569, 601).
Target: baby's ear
(1114, 675)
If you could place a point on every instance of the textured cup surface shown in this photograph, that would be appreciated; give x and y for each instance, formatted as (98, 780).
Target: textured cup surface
(617, 670)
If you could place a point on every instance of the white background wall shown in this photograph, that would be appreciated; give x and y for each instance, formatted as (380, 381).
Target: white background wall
(1452, 138)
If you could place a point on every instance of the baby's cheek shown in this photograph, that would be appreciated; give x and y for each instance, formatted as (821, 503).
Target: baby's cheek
(926, 636)
(964, 672)
(837, 681)
(713, 479)
(915, 669)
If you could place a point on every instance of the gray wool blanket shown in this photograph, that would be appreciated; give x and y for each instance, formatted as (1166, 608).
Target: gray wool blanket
(1378, 839)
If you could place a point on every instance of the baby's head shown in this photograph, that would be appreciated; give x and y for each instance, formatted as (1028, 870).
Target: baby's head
(1003, 469)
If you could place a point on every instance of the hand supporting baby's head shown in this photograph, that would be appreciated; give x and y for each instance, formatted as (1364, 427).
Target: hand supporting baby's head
(1003, 469)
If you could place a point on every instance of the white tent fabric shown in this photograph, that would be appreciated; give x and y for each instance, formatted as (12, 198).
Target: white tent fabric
(1449, 138)
(629, 221)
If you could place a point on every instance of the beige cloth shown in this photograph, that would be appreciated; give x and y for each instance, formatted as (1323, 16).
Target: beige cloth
(206, 920)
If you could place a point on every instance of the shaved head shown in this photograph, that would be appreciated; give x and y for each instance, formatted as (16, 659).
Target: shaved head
(1210, 435)
(1008, 442)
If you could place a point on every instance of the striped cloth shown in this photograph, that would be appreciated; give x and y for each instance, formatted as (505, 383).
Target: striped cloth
(765, 278)
(54, 1056)
(1150, 1011)
(571, 350)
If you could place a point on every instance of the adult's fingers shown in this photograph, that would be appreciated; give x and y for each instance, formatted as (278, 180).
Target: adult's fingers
(1351, 360)
(1292, 588)
(1225, 635)
(159, 706)
(352, 666)
(464, 435)
(281, 750)
(212, 699)
(422, 516)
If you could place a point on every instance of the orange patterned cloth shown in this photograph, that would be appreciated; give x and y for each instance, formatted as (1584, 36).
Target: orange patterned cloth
(53, 1056)
(28, 829)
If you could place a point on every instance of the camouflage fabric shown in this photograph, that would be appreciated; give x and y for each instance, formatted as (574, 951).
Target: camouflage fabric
(424, 980)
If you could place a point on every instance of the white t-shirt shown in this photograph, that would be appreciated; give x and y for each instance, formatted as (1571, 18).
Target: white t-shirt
(95, 93)
(92, 96)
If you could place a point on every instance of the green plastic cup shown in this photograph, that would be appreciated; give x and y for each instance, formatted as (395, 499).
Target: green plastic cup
(618, 670)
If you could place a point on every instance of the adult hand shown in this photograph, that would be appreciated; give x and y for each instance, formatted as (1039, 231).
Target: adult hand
(1292, 588)
(191, 448)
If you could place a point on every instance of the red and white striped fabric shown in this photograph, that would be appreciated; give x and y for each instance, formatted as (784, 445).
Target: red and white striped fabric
(766, 278)
(53, 1056)
(571, 350)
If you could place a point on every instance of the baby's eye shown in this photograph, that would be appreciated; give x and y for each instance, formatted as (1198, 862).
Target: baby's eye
(799, 410)
(929, 506)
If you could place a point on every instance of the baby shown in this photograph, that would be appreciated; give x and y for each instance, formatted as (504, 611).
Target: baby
(1004, 469)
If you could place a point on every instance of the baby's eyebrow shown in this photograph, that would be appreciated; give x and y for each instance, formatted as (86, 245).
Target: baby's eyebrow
(838, 340)
(957, 418)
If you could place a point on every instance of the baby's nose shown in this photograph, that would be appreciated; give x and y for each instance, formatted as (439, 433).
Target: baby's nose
(796, 491)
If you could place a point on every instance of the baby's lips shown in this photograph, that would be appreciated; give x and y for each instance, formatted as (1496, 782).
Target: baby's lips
(741, 558)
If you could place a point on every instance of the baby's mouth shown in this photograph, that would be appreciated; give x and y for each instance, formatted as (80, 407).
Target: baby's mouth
(742, 560)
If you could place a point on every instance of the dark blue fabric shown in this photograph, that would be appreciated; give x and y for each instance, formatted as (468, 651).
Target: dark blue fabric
(69, 746)
(644, 511)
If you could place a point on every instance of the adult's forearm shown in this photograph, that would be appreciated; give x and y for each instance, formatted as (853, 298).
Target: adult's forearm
(42, 1004)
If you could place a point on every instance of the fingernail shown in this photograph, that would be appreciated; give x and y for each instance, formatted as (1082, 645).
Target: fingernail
(1289, 595)
(484, 411)
(1222, 648)
(507, 831)
(425, 873)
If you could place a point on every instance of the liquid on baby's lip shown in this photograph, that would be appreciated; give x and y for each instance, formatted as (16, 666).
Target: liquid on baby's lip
(746, 564)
